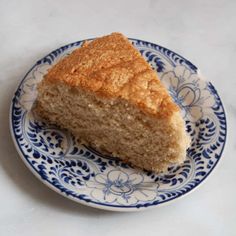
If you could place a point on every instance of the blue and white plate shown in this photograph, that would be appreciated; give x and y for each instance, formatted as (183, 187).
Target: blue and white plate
(91, 178)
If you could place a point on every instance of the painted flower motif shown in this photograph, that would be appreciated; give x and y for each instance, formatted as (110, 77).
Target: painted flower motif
(29, 87)
(184, 87)
(119, 187)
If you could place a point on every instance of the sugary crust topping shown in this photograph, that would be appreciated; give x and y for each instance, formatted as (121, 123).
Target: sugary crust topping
(111, 67)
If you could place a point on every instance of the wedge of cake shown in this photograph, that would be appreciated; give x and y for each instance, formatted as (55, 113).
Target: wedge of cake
(109, 97)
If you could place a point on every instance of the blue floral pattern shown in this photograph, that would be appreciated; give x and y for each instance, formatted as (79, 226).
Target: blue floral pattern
(186, 90)
(89, 177)
(122, 187)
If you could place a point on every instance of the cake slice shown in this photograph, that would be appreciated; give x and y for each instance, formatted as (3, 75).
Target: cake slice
(109, 97)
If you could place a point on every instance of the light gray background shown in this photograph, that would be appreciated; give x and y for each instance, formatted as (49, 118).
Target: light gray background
(203, 31)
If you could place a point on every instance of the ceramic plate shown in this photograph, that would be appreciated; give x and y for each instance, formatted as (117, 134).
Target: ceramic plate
(91, 178)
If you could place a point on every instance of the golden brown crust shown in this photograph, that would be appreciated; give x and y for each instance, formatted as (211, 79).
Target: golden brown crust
(111, 67)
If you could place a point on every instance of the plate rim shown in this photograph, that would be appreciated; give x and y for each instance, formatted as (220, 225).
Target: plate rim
(101, 205)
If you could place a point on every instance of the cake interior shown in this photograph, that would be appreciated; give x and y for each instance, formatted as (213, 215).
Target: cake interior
(114, 126)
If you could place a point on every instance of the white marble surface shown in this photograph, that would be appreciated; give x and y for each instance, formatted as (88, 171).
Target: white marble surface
(202, 31)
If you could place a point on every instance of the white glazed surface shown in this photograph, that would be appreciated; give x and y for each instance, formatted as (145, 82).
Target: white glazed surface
(201, 31)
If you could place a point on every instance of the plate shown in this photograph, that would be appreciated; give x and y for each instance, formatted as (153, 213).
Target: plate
(82, 174)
